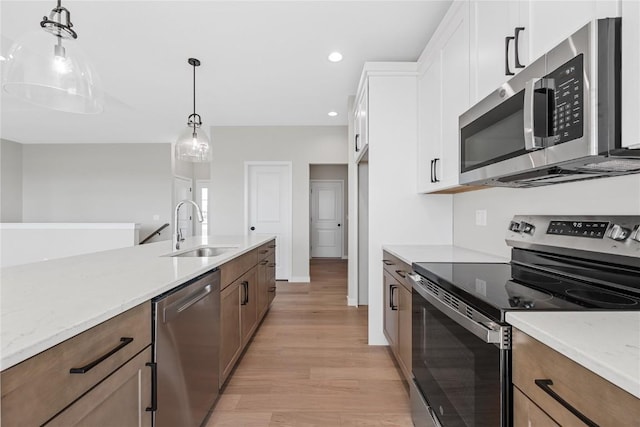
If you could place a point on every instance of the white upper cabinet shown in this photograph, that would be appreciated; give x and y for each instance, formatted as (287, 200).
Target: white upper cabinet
(361, 122)
(443, 94)
(630, 73)
(550, 22)
(508, 35)
(493, 29)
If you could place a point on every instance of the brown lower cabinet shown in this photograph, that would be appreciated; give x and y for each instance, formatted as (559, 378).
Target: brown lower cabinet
(244, 302)
(99, 377)
(119, 400)
(546, 381)
(397, 310)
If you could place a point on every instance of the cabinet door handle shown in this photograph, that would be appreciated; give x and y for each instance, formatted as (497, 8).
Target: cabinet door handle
(516, 52)
(264, 251)
(265, 262)
(154, 387)
(273, 264)
(432, 170)
(271, 246)
(507, 71)
(545, 385)
(392, 293)
(387, 262)
(435, 170)
(124, 341)
(401, 273)
(245, 293)
(357, 142)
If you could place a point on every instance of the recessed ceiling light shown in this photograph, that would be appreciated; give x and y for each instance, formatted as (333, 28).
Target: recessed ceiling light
(335, 57)
(332, 114)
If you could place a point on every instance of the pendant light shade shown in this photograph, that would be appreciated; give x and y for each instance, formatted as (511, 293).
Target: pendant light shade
(193, 143)
(47, 68)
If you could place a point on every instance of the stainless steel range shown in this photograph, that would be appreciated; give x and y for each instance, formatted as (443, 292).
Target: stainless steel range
(461, 342)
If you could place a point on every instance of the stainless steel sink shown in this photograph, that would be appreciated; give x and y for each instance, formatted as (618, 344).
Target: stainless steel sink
(206, 251)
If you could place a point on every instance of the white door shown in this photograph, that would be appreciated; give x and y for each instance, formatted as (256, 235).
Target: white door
(269, 208)
(183, 190)
(326, 219)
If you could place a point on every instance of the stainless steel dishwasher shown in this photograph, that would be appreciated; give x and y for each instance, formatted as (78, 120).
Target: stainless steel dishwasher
(186, 341)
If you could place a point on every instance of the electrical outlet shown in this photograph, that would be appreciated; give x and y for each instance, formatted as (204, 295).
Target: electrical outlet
(481, 217)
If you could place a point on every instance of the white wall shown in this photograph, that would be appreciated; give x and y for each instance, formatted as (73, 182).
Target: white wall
(301, 145)
(614, 196)
(336, 172)
(98, 183)
(10, 181)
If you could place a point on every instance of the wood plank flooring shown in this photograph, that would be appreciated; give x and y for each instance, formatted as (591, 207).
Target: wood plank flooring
(309, 364)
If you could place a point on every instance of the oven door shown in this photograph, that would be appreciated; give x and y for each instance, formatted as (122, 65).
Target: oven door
(462, 378)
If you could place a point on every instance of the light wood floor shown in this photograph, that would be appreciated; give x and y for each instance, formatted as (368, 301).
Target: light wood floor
(309, 364)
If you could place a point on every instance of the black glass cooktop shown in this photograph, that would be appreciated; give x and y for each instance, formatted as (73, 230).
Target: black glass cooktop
(497, 288)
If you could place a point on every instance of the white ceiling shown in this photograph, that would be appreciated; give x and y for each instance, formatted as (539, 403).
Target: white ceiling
(264, 63)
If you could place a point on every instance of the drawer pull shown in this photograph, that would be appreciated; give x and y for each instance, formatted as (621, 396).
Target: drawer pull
(264, 251)
(124, 341)
(154, 387)
(387, 262)
(264, 262)
(546, 384)
(273, 264)
(401, 273)
(271, 246)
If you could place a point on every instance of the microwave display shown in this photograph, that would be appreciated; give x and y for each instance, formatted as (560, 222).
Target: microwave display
(568, 112)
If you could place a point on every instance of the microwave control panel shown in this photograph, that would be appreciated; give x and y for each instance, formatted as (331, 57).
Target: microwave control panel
(568, 111)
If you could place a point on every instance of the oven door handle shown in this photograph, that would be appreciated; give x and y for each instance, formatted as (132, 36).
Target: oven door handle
(490, 334)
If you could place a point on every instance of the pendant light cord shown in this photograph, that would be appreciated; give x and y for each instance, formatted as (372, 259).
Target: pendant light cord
(194, 91)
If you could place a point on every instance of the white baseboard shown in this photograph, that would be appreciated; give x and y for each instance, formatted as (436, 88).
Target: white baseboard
(299, 279)
(352, 302)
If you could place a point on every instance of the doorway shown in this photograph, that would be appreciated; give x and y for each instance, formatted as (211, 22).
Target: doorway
(326, 218)
(268, 208)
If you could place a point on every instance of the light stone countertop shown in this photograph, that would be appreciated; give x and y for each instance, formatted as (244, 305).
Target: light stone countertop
(45, 303)
(439, 253)
(607, 343)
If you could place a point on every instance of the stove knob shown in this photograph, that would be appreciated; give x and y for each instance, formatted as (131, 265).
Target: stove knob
(618, 232)
(525, 227)
(636, 233)
(514, 226)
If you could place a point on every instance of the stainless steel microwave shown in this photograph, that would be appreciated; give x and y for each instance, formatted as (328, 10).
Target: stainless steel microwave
(558, 120)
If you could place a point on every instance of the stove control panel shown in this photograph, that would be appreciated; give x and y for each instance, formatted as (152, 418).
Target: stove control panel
(610, 235)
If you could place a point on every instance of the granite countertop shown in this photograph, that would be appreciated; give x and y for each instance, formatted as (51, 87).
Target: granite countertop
(45, 303)
(439, 253)
(607, 343)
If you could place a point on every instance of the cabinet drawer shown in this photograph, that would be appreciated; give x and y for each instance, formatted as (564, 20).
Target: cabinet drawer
(397, 268)
(38, 388)
(591, 395)
(528, 414)
(120, 400)
(266, 250)
(235, 268)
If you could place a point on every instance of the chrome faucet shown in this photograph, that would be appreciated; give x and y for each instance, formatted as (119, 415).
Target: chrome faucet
(177, 235)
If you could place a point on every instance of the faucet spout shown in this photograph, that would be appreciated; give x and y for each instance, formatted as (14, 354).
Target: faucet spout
(177, 235)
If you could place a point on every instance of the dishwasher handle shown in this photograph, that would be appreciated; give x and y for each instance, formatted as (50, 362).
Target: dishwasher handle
(178, 307)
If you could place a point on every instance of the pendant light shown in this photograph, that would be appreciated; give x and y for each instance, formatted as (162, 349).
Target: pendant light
(193, 144)
(48, 69)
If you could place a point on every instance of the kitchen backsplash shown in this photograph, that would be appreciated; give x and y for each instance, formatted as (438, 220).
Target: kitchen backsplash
(619, 196)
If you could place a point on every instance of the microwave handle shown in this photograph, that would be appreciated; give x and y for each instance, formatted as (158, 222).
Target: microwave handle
(531, 142)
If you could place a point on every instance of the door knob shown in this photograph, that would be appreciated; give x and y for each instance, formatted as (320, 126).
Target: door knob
(252, 228)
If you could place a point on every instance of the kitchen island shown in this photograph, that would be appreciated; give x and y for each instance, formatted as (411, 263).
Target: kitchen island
(45, 303)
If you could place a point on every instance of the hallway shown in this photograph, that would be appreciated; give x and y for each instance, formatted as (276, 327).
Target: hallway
(309, 364)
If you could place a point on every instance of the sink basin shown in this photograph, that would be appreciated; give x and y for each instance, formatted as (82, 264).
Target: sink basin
(206, 251)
